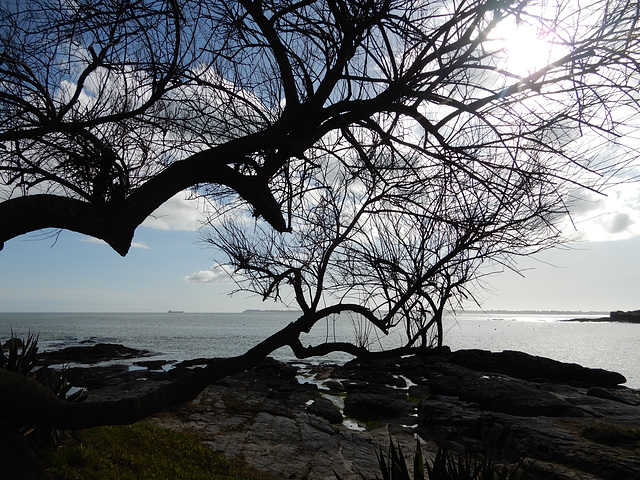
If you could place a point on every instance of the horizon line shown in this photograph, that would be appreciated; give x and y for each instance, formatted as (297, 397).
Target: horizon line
(271, 310)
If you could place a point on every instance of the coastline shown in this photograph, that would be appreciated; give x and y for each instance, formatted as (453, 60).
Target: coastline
(304, 421)
(187, 336)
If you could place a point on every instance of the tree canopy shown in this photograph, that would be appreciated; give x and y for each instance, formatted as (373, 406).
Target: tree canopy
(108, 110)
(391, 146)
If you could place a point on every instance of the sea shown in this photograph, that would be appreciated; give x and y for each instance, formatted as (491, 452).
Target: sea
(183, 335)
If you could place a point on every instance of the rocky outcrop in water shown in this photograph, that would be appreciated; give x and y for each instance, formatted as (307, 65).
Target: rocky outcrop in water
(90, 354)
(620, 316)
(617, 316)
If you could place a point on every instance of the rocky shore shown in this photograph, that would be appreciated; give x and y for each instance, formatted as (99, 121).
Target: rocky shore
(304, 421)
(618, 316)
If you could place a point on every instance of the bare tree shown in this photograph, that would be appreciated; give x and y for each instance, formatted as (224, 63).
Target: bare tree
(394, 251)
(107, 110)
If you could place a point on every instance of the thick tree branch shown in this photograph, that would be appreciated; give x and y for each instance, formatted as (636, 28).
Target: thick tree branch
(39, 404)
(116, 221)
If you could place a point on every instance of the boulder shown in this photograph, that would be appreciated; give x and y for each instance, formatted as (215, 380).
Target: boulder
(533, 368)
(377, 406)
(326, 409)
(333, 386)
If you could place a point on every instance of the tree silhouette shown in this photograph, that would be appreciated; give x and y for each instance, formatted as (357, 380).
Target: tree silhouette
(107, 110)
(389, 252)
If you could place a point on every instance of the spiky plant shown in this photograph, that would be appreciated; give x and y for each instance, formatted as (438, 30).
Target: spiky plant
(445, 466)
(22, 357)
(450, 466)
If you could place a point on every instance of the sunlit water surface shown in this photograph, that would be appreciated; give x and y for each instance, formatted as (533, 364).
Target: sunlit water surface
(180, 336)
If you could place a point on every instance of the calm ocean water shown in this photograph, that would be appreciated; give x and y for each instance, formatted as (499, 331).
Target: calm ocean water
(612, 346)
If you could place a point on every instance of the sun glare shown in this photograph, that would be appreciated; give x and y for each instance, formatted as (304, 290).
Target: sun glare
(524, 48)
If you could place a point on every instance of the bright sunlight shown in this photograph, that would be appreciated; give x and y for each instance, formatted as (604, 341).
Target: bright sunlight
(525, 47)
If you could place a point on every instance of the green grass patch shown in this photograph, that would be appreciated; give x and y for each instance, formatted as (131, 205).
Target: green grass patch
(139, 452)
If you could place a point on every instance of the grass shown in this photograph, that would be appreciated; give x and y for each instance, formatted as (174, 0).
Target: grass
(140, 452)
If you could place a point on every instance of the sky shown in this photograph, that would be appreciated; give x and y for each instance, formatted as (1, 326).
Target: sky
(169, 268)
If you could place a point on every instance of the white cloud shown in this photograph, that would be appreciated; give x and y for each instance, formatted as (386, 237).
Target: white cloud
(177, 213)
(614, 216)
(139, 245)
(618, 223)
(215, 274)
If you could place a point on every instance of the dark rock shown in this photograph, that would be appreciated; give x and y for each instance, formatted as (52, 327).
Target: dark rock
(554, 443)
(613, 435)
(110, 376)
(609, 395)
(380, 371)
(13, 342)
(326, 409)
(528, 367)
(419, 391)
(499, 393)
(355, 385)
(514, 398)
(376, 406)
(153, 364)
(626, 317)
(273, 367)
(91, 354)
(333, 386)
(400, 382)
(265, 415)
(196, 362)
(273, 376)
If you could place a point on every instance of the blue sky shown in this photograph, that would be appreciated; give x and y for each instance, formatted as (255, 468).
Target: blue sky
(77, 273)
(168, 268)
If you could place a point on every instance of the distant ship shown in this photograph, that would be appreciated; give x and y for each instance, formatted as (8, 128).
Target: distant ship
(175, 311)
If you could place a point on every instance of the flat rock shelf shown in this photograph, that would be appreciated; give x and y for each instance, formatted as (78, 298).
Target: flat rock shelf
(303, 421)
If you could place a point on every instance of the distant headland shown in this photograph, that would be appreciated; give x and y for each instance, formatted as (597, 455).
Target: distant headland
(253, 310)
(617, 316)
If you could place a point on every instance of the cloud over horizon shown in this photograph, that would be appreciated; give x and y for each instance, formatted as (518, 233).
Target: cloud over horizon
(214, 274)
